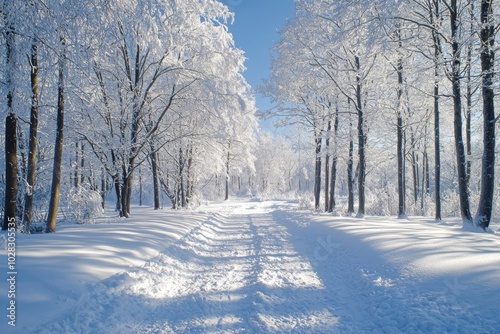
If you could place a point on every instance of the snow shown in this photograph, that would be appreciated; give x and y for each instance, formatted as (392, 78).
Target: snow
(246, 266)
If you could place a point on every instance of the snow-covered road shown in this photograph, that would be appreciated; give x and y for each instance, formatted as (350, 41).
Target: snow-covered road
(252, 269)
(238, 273)
(246, 266)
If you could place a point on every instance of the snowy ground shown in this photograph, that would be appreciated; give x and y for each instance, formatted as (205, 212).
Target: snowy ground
(256, 267)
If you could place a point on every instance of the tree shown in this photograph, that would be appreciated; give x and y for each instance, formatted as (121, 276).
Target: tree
(427, 14)
(333, 173)
(59, 142)
(33, 137)
(400, 130)
(487, 36)
(11, 182)
(435, 21)
(455, 77)
(327, 165)
(156, 70)
(349, 51)
(305, 97)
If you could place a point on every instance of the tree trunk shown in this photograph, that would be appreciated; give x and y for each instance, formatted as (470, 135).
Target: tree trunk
(140, 186)
(123, 198)
(457, 113)
(124, 192)
(30, 178)
(21, 160)
(103, 188)
(156, 185)
(437, 142)
(181, 199)
(361, 143)
(400, 138)
(76, 178)
(226, 196)
(437, 155)
(190, 181)
(82, 162)
(11, 182)
(427, 173)
(333, 176)
(327, 166)
(350, 178)
(425, 178)
(59, 145)
(116, 183)
(317, 173)
(483, 215)
(468, 99)
(414, 166)
(130, 179)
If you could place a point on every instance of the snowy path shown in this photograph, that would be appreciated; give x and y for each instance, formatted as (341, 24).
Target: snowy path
(263, 271)
(237, 273)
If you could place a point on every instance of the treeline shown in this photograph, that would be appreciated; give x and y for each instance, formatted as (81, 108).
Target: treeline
(107, 96)
(398, 95)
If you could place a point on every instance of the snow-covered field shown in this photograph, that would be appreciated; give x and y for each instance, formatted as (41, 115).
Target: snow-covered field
(247, 266)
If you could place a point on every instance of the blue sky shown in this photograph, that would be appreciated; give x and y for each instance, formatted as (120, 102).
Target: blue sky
(255, 30)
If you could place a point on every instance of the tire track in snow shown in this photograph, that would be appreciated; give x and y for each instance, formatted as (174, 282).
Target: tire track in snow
(232, 274)
(287, 292)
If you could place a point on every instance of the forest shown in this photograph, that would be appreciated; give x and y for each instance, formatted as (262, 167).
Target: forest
(405, 94)
(388, 107)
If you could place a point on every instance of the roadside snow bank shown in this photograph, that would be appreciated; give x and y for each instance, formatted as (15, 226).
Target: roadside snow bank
(413, 276)
(53, 270)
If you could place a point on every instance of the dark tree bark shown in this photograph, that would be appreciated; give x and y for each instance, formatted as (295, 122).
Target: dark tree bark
(126, 190)
(103, 188)
(76, 176)
(33, 137)
(123, 192)
(11, 182)
(59, 145)
(483, 215)
(350, 177)
(327, 165)
(400, 137)
(189, 176)
(425, 177)
(361, 142)
(455, 77)
(181, 199)
(22, 158)
(435, 19)
(414, 167)
(140, 187)
(333, 174)
(468, 99)
(82, 162)
(317, 171)
(118, 192)
(156, 185)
